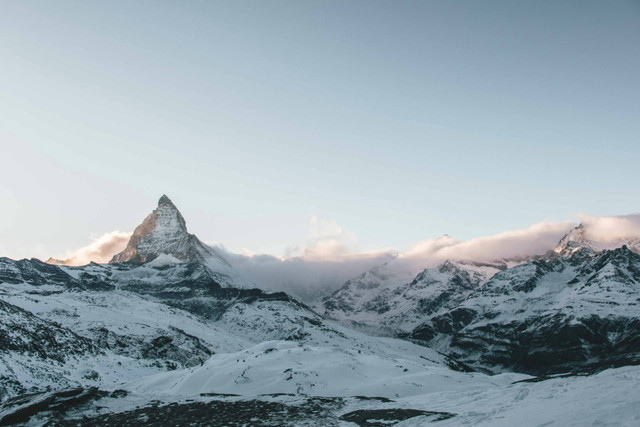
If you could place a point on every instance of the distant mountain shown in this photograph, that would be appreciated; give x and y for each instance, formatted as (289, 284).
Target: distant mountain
(398, 295)
(394, 301)
(564, 313)
(579, 238)
(573, 309)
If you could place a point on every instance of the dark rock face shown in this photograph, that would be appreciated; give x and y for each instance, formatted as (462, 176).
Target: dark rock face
(37, 273)
(81, 407)
(24, 333)
(385, 417)
(176, 348)
(311, 411)
(21, 408)
(28, 337)
(218, 300)
(34, 272)
(546, 317)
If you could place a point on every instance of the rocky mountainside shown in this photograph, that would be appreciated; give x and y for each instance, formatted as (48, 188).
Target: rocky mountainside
(162, 239)
(167, 302)
(396, 302)
(575, 309)
(170, 329)
(566, 313)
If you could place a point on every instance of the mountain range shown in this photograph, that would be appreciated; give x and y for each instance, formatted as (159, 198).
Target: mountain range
(170, 328)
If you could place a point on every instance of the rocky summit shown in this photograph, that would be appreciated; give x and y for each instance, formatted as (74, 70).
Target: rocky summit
(164, 232)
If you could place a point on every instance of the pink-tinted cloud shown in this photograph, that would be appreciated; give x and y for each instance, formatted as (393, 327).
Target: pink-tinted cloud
(535, 240)
(607, 229)
(100, 250)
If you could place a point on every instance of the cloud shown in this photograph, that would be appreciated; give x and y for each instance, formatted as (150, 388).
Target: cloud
(326, 241)
(428, 248)
(535, 240)
(309, 270)
(608, 229)
(327, 261)
(307, 277)
(100, 250)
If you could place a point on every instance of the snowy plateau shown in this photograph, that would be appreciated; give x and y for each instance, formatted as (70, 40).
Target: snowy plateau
(170, 333)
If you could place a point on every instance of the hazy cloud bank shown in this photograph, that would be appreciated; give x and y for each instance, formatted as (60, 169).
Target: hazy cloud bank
(609, 229)
(326, 262)
(304, 277)
(535, 240)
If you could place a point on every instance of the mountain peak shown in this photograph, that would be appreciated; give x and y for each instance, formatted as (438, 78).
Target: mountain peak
(166, 201)
(164, 231)
(580, 239)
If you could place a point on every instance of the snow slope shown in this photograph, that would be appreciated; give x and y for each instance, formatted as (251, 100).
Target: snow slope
(289, 367)
(610, 398)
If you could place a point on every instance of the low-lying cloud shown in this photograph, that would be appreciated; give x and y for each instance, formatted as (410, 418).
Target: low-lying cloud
(535, 240)
(607, 229)
(305, 277)
(101, 250)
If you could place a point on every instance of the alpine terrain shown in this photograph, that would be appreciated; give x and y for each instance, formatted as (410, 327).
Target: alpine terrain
(170, 333)
(575, 309)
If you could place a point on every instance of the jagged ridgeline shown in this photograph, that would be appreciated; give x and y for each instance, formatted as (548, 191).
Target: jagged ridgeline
(170, 316)
(167, 301)
(575, 309)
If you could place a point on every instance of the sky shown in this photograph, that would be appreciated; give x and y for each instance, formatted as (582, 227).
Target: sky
(272, 124)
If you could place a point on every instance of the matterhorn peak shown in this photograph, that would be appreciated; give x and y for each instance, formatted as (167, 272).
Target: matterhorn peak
(164, 231)
(166, 201)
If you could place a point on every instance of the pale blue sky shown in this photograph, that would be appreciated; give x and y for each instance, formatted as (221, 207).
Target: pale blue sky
(397, 120)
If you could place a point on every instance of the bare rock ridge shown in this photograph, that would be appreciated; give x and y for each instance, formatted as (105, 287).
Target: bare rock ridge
(164, 231)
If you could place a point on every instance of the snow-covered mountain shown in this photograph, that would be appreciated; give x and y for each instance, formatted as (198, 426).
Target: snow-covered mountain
(395, 301)
(164, 232)
(565, 313)
(580, 238)
(162, 239)
(575, 308)
(167, 302)
(170, 330)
